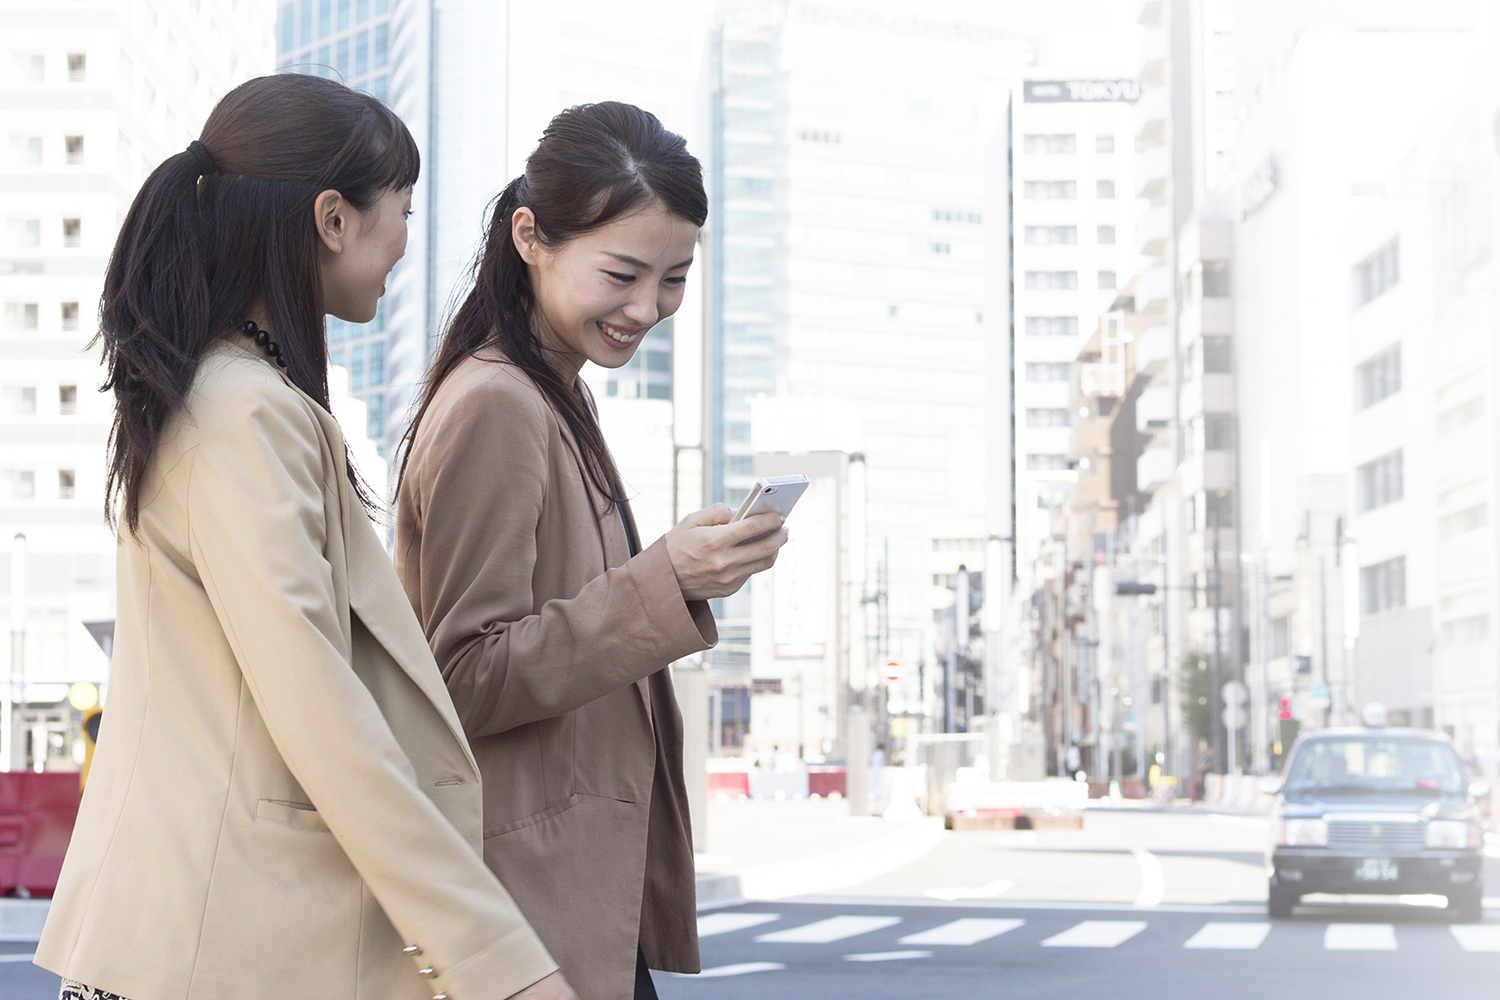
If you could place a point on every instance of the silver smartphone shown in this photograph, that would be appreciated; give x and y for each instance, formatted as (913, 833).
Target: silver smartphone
(778, 494)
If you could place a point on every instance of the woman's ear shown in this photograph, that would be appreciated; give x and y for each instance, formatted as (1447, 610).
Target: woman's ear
(331, 216)
(523, 234)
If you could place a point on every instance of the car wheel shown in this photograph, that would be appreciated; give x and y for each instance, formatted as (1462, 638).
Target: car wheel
(1280, 902)
(1467, 906)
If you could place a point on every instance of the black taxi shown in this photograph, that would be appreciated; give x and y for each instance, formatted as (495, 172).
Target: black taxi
(1377, 811)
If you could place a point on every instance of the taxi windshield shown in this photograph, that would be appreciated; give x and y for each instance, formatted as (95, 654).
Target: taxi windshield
(1375, 764)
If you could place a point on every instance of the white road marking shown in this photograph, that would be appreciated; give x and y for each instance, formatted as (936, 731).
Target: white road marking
(27, 958)
(743, 968)
(1477, 937)
(843, 868)
(996, 888)
(1243, 936)
(1360, 937)
(1096, 934)
(967, 930)
(887, 956)
(1153, 885)
(830, 930)
(725, 923)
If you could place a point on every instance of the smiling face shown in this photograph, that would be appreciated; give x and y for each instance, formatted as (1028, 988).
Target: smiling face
(598, 294)
(359, 250)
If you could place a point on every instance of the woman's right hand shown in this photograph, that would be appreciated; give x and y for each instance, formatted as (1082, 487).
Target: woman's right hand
(713, 557)
(554, 987)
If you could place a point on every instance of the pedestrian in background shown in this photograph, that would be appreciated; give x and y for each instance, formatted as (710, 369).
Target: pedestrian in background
(551, 625)
(282, 802)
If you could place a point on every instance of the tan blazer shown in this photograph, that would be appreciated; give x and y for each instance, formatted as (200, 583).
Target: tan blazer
(553, 643)
(282, 797)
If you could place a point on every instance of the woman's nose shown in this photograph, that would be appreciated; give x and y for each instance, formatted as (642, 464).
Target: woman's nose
(641, 309)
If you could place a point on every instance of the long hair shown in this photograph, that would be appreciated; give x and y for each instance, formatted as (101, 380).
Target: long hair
(595, 163)
(215, 228)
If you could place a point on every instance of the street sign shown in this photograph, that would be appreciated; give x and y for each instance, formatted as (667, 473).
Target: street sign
(1234, 693)
(892, 671)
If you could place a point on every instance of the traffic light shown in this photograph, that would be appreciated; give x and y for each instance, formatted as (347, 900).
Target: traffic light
(1284, 710)
(91, 719)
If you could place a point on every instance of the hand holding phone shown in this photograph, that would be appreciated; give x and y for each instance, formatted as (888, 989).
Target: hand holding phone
(772, 494)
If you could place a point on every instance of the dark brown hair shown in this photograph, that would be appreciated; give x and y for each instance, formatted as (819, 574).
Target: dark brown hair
(215, 228)
(596, 163)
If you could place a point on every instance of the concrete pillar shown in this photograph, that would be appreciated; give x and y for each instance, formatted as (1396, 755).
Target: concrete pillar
(858, 783)
(691, 681)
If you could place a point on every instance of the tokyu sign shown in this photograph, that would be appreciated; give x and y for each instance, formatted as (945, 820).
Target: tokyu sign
(1082, 91)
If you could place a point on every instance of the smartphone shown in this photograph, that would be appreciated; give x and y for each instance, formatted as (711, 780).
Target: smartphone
(772, 493)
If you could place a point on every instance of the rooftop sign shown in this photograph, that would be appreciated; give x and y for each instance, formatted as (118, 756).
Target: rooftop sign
(1082, 91)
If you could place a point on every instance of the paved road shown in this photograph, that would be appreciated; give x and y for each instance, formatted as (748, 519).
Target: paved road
(862, 949)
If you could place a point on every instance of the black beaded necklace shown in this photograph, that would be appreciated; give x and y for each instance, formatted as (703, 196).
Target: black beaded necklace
(262, 338)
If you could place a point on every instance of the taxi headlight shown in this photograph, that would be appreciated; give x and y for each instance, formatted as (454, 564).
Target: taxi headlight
(1449, 834)
(1304, 833)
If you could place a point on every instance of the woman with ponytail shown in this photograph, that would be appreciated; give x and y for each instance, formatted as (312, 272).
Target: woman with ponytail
(282, 802)
(551, 625)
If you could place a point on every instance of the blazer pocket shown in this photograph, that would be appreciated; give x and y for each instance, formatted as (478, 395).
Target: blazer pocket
(556, 809)
(302, 815)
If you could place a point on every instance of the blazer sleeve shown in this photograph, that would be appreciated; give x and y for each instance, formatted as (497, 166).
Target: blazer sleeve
(258, 533)
(482, 482)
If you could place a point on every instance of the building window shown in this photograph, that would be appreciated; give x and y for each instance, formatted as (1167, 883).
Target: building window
(28, 67)
(938, 214)
(67, 400)
(1051, 190)
(20, 315)
(65, 484)
(1379, 482)
(1378, 377)
(1464, 631)
(1050, 145)
(24, 150)
(21, 234)
(1104, 143)
(18, 484)
(72, 232)
(342, 58)
(1218, 431)
(78, 64)
(343, 14)
(288, 27)
(1051, 281)
(19, 400)
(945, 248)
(1461, 522)
(1051, 235)
(1048, 371)
(325, 18)
(69, 316)
(1047, 463)
(377, 362)
(1382, 586)
(375, 426)
(1218, 355)
(1106, 281)
(1377, 274)
(1281, 638)
(1052, 326)
(362, 53)
(1461, 415)
(73, 149)
(1104, 189)
(1049, 417)
(1105, 234)
(357, 367)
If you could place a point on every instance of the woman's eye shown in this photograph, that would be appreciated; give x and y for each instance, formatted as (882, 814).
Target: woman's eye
(680, 280)
(620, 277)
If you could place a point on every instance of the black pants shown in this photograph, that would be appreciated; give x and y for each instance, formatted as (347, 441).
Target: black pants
(644, 988)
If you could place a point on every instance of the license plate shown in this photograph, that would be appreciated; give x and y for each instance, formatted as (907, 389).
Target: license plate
(1377, 870)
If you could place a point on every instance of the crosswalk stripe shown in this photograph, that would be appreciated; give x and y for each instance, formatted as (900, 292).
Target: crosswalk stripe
(741, 969)
(1096, 934)
(1239, 935)
(827, 931)
(1360, 937)
(887, 956)
(969, 930)
(725, 923)
(1477, 937)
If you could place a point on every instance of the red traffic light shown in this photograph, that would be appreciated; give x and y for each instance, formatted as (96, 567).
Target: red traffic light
(892, 671)
(1284, 712)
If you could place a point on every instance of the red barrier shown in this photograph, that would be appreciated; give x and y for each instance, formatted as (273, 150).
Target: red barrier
(731, 783)
(825, 780)
(37, 812)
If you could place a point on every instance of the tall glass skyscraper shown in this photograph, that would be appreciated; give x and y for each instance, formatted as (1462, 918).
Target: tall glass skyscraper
(349, 41)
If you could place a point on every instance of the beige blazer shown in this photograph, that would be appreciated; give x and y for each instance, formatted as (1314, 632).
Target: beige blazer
(282, 797)
(553, 642)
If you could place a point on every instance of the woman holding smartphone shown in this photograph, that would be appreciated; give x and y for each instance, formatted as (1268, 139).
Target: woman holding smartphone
(550, 623)
(282, 802)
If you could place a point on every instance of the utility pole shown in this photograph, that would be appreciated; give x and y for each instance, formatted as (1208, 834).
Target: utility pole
(1220, 760)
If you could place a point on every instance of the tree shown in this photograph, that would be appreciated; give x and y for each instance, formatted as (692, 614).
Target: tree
(1195, 682)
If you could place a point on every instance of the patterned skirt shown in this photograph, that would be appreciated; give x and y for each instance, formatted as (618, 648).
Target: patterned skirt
(78, 991)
